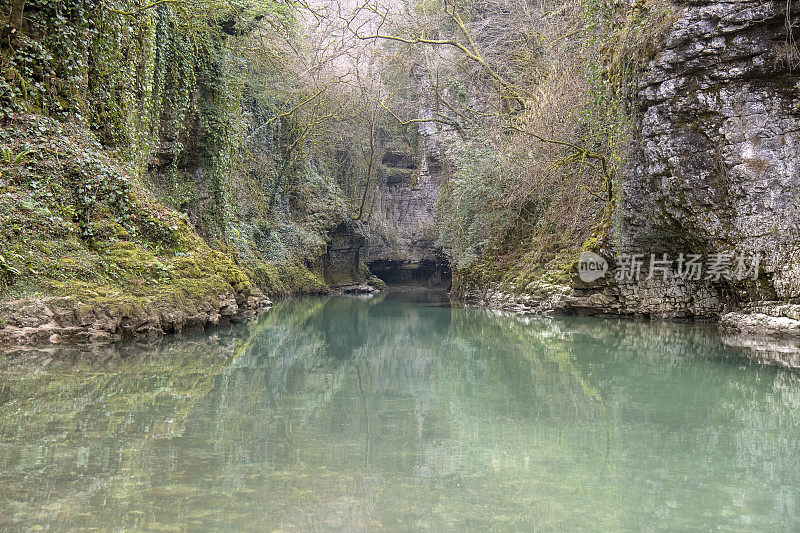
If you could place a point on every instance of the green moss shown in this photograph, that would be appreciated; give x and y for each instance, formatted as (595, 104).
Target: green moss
(154, 260)
(516, 273)
(93, 220)
(378, 283)
(281, 279)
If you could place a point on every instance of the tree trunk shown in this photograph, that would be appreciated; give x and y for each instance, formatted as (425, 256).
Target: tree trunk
(369, 169)
(17, 9)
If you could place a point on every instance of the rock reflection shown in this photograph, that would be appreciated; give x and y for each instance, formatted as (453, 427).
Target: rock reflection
(396, 412)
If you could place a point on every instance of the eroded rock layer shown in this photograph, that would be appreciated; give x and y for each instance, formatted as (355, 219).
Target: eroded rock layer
(716, 166)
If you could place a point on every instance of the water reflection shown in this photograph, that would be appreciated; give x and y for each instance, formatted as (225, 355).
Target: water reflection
(397, 412)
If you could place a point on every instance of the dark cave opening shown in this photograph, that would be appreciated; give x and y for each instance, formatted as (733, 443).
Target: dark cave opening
(432, 273)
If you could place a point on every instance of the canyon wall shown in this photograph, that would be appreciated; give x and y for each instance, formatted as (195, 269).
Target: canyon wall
(715, 168)
(403, 228)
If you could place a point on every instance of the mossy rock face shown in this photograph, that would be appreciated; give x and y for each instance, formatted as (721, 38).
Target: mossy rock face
(91, 212)
(142, 269)
(519, 277)
(283, 279)
(375, 281)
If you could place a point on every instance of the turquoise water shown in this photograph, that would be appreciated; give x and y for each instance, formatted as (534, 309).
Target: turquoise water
(400, 412)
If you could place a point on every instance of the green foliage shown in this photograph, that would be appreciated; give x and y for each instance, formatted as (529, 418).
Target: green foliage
(178, 91)
(471, 209)
(14, 160)
(164, 83)
(620, 45)
(521, 205)
(7, 272)
(99, 183)
(74, 223)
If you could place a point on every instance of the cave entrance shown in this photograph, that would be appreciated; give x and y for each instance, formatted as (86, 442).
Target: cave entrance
(430, 273)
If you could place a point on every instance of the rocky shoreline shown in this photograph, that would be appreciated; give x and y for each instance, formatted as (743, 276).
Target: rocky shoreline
(769, 330)
(67, 320)
(55, 320)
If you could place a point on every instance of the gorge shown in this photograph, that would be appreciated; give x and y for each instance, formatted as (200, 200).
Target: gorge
(455, 265)
(189, 181)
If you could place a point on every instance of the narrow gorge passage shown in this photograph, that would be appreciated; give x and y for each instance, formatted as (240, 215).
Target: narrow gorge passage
(367, 265)
(430, 273)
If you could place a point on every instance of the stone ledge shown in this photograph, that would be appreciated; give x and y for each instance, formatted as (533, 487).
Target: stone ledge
(760, 324)
(59, 320)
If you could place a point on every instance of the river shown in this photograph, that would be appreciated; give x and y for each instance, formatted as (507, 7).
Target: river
(402, 412)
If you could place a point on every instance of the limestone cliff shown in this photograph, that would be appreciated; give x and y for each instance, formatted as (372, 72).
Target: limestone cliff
(714, 169)
(402, 231)
(716, 163)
